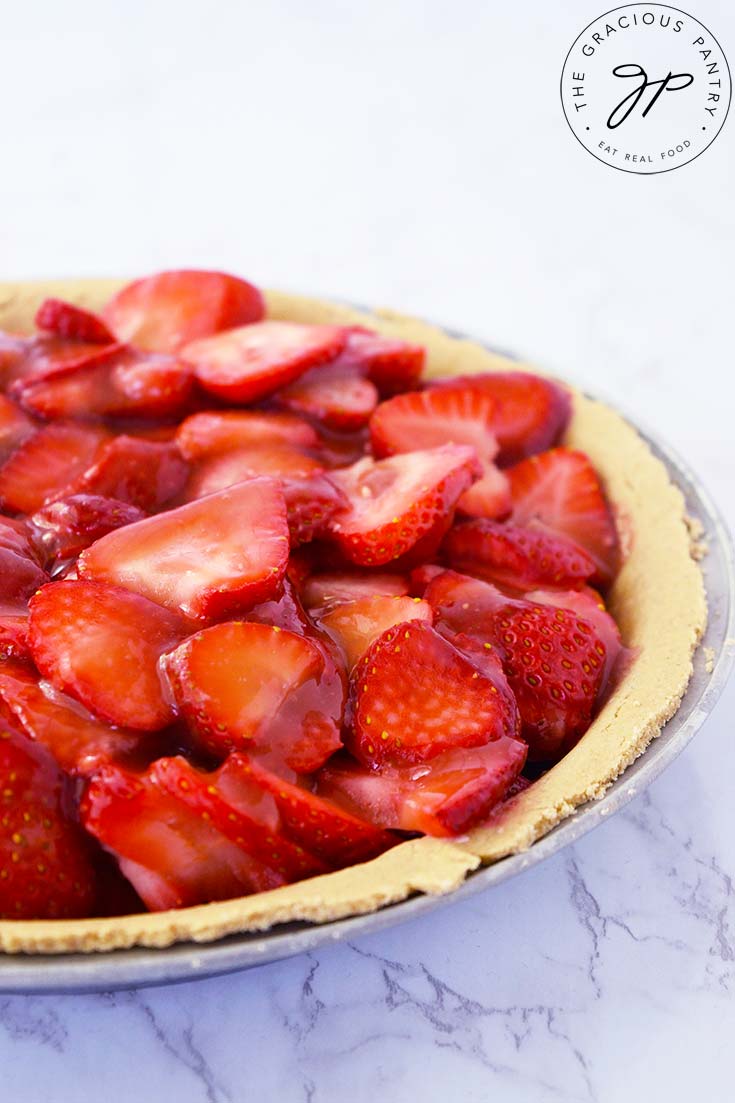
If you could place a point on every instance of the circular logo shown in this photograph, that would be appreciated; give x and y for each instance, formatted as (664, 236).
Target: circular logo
(646, 88)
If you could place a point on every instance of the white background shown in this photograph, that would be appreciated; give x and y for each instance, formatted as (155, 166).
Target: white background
(413, 155)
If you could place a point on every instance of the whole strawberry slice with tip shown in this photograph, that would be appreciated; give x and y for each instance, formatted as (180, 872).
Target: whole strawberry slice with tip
(413, 696)
(251, 362)
(449, 795)
(337, 396)
(401, 502)
(426, 419)
(172, 853)
(255, 687)
(324, 591)
(69, 525)
(118, 382)
(72, 323)
(78, 742)
(560, 490)
(223, 553)
(391, 364)
(46, 464)
(45, 866)
(101, 645)
(210, 433)
(531, 412)
(163, 312)
(357, 624)
(313, 822)
(143, 473)
(517, 557)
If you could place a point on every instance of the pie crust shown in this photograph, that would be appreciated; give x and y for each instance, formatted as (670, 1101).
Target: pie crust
(658, 601)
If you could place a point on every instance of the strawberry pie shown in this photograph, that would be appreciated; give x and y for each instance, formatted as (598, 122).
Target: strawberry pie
(303, 609)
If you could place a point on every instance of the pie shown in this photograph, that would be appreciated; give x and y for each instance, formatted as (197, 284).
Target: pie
(302, 611)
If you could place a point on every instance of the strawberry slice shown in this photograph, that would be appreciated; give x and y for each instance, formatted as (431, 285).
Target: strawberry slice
(517, 557)
(14, 635)
(163, 312)
(249, 363)
(223, 553)
(211, 433)
(44, 355)
(322, 592)
(447, 796)
(45, 862)
(356, 625)
(217, 473)
(13, 351)
(413, 696)
(531, 412)
(426, 419)
(15, 427)
(246, 820)
(489, 497)
(45, 464)
(463, 604)
(173, 855)
(337, 396)
(69, 525)
(560, 490)
(391, 364)
(101, 645)
(78, 743)
(20, 572)
(144, 473)
(117, 382)
(320, 826)
(248, 686)
(71, 323)
(399, 503)
(312, 502)
(588, 604)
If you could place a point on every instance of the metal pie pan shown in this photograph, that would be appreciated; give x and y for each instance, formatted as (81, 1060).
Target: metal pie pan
(188, 961)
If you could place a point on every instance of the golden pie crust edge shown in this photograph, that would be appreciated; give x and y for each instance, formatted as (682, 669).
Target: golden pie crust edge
(658, 601)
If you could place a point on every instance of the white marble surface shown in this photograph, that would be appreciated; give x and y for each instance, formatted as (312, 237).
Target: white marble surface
(412, 154)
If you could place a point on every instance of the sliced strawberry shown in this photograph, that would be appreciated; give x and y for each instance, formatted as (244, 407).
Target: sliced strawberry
(143, 473)
(45, 464)
(312, 503)
(249, 363)
(245, 820)
(46, 354)
(69, 525)
(356, 625)
(211, 433)
(248, 686)
(15, 427)
(322, 592)
(20, 576)
(318, 825)
(396, 503)
(79, 743)
(588, 604)
(338, 396)
(173, 855)
(118, 382)
(463, 604)
(391, 364)
(13, 350)
(517, 557)
(427, 419)
(45, 866)
(561, 491)
(217, 473)
(165, 311)
(14, 635)
(447, 796)
(489, 497)
(101, 644)
(413, 696)
(225, 552)
(70, 322)
(531, 412)
(422, 576)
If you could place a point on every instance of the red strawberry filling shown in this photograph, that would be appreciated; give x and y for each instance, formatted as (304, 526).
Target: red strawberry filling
(290, 632)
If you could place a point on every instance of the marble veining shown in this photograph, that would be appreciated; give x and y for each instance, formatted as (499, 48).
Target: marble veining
(606, 974)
